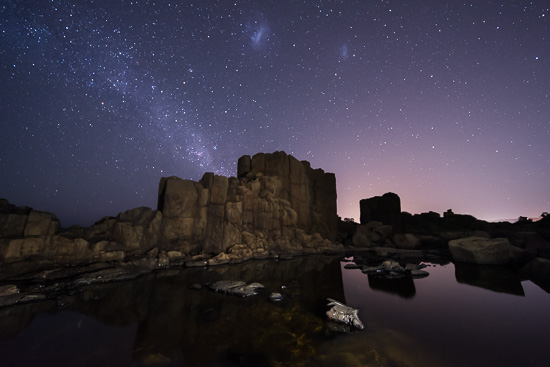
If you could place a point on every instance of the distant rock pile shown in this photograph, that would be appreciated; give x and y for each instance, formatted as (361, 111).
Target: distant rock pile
(524, 245)
(275, 205)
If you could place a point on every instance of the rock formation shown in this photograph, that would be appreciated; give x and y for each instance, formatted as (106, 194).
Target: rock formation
(23, 221)
(385, 209)
(276, 205)
(382, 224)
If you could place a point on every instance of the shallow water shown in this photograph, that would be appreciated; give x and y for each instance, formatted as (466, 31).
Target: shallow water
(463, 316)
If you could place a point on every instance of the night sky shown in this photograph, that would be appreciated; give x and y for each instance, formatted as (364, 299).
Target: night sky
(446, 103)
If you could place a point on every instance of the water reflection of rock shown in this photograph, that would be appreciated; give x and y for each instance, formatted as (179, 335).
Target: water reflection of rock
(384, 347)
(403, 287)
(214, 328)
(15, 319)
(179, 325)
(495, 278)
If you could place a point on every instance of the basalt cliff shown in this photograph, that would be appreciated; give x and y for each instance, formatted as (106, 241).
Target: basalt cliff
(277, 205)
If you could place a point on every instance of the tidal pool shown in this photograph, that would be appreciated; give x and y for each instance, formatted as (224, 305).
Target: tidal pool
(457, 316)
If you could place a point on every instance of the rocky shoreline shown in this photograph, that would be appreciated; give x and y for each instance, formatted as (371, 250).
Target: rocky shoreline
(276, 208)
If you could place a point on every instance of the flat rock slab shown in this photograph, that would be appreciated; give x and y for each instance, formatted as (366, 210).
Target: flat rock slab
(111, 275)
(236, 287)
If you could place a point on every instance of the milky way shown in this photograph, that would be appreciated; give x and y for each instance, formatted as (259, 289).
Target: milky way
(445, 103)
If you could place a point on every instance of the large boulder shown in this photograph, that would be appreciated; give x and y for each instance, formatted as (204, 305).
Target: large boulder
(481, 250)
(406, 241)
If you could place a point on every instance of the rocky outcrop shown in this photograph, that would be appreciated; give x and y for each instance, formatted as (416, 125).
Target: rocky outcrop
(382, 225)
(131, 233)
(24, 221)
(276, 205)
(375, 234)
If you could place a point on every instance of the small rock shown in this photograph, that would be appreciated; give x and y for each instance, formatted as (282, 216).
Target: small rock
(8, 290)
(413, 267)
(352, 266)
(419, 273)
(224, 285)
(370, 270)
(33, 297)
(275, 297)
(344, 314)
(196, 263)
(236, 287)
(286, 257)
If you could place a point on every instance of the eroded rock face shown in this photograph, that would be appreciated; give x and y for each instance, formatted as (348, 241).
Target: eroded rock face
(276, 205)
(132, 233)
(24, 221)
(310, 192)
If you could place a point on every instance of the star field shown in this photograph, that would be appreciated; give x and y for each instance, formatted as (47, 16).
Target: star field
(445, 103)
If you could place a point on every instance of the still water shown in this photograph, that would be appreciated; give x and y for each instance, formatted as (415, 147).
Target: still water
(457, 316)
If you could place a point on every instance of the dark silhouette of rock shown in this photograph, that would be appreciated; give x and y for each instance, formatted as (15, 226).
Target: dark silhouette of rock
(403, 287)
(373, 234)
(538, 270)
(495, 278)
(385, 209)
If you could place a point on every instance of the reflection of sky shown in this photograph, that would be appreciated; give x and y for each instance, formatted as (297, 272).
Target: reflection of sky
(457, 320)
(55, 339)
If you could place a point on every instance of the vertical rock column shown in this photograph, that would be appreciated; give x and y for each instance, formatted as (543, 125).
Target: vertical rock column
(178, 201)
(311, 193)
(213, 242)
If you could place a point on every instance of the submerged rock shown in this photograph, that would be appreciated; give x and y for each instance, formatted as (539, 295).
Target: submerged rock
(236, 287)
(224, 285)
